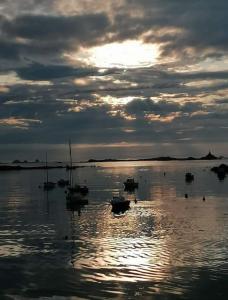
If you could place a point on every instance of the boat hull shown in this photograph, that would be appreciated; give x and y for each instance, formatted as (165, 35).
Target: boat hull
(79, 189)
(118, 207)
(130, 186)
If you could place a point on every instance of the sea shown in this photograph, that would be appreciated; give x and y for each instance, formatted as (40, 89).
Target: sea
(171, 244)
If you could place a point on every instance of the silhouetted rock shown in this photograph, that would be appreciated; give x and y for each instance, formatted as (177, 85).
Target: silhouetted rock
(209, 156)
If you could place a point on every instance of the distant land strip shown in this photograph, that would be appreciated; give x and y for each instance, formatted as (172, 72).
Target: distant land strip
(13, 167)
(209, 156)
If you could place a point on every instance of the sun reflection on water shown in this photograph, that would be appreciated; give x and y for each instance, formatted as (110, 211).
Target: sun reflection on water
(126, 259)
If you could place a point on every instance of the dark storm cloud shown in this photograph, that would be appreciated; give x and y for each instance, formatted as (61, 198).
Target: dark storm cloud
(41, 72)
(45, 28)
(8, 50)
(46, 37)
(141, 107)
(182, 27)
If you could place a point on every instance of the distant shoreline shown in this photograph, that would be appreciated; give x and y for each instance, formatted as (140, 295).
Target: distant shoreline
(153, 159)
(10, 167)
(21, 165)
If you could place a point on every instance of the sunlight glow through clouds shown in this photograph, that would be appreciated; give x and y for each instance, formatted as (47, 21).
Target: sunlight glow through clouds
(118, 101)
(165, 119)
(128, 54)
(21, 123)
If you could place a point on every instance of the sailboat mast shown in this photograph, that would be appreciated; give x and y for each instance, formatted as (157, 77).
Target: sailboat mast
(46, 169)
(71, 165)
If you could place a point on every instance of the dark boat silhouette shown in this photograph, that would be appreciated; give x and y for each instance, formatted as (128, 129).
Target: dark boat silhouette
(130, 184)
(221, 171)
(48, 185)
(79, 189)
(189, 177)
(63, 183)
(119, 204)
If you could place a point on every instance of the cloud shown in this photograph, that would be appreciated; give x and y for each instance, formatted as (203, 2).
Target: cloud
(184, 29)
(18, 123)
(37, 71)
(81, 28)
(46, 38)
(183, 97)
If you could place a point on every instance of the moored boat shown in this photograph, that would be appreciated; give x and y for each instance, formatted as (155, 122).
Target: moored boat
(130, 184)
(119, 204)
(189, 177)
(63, 183)
(79, 189)
(75, 193)
(48, 185)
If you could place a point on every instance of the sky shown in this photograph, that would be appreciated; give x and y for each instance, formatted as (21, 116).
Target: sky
(120, 78)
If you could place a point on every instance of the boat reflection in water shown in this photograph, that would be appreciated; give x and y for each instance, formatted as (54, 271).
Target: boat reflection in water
(76, 206)
(76, 199)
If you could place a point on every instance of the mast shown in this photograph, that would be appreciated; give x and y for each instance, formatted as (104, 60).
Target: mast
(71, 164)
(46, 169)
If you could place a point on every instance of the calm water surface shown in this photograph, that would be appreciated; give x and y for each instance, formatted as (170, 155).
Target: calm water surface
(164, 247)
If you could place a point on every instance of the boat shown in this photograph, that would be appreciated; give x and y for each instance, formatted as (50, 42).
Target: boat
(48, 185)
(79, 189)
(130, 184)
(63, 183)
(119, 204)
(221, 171)
(189, 177)
(74, 195)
